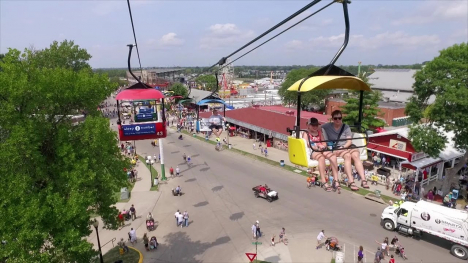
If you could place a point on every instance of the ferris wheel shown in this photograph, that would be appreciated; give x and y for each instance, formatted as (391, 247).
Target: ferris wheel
(226, 81)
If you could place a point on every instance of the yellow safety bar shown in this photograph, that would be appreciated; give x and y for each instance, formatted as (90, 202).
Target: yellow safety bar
(330, 82)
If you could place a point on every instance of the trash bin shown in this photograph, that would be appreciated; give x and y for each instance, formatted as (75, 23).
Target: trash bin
(377, 193)
(230, 146)
(155, 181)
(282, 162)
(124, 193)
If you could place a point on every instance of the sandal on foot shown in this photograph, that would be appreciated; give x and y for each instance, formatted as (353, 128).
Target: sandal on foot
(353, 186)
(337, 185)
(326, 187)
(364, 184)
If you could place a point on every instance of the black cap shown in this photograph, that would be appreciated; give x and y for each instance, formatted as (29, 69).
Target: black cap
(313, 121)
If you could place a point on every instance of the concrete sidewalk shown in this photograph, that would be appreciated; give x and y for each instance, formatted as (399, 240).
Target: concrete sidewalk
(144, 202)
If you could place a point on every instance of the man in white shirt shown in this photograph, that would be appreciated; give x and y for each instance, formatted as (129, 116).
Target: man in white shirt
(320, 236)
(180, 220)
(176, 219)
(254, 231)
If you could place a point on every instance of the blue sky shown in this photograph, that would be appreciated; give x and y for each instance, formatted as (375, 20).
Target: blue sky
(199, 33)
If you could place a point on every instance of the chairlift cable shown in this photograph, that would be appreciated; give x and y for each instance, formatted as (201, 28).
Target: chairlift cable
(134, 35)
(300, 11)
(278, 34)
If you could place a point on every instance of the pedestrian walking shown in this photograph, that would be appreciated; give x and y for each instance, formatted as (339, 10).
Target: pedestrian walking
(133, 212)
(360, 255)
(257, 229)
(180, 220)
(378, 256)
(320, 236)
(254, 231)
(146, 241)
(186, 217)
(176, 215)
(132, 236)
(254, 147)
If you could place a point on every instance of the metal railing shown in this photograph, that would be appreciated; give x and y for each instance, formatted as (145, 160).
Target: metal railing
(112, 240)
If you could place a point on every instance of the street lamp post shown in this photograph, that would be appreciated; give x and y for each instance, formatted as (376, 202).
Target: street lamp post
(150, 163)
(96, 225)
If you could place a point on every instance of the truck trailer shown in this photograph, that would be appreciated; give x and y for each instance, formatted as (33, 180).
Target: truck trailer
(414, 219)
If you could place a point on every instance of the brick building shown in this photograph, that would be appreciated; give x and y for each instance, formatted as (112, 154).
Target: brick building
(390, 110)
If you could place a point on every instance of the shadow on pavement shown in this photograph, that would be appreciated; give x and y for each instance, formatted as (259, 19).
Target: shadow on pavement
(272, 259)
(217, 188)
(179, 247)
(201, 204)
(236, 216)
(205, 169)
(195, 155)
(191, 180)
(175, 152)
(187, 145)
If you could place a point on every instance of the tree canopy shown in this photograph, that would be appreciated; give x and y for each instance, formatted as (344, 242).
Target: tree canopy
(370, 110)
(54, 173)
(444, 79)
(179, 89)
(207, 82)
(312, 97)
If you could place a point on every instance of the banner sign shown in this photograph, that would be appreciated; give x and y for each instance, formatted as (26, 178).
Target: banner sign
(397, 145)
(139, 129)
(205, 124)
(144, 117)
(146, 110)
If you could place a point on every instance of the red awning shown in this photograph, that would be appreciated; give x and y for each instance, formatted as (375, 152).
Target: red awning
(389, 151)
(139, 94)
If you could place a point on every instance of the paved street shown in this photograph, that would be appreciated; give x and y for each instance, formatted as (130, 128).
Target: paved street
(222, 208)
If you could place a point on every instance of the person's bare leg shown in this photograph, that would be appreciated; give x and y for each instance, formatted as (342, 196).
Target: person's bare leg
(333, 164)
(359, 167)
(348, 169)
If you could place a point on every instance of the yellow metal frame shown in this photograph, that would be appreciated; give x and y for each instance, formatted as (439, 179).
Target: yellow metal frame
(330, 82)
(297, 151)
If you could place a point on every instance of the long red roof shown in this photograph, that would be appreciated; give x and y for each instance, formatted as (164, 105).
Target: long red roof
(273, 121)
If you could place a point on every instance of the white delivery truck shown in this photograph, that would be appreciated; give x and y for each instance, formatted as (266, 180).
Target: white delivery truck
(415, 218)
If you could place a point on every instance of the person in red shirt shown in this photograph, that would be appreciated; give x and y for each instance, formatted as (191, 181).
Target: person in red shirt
(392, 260)
(121, 220)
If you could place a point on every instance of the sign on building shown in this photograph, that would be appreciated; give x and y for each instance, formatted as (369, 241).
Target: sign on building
(205, 124)
(417, 156)
(397, 145)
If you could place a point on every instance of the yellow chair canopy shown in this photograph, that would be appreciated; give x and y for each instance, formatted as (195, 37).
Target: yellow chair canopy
(330, 82)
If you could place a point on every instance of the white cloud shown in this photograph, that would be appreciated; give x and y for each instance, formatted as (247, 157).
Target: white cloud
(222, 35)
(435, 11)
(171, 39)
(294, 45)
(166, 41)
(397, 39)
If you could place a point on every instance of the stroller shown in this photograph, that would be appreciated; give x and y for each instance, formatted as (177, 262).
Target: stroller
(332, 244)
(150, 225)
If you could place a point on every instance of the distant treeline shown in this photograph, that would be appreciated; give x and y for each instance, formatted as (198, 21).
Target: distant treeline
(121, 72)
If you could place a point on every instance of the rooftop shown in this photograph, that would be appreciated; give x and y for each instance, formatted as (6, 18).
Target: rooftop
(382, 104)
(393, 79)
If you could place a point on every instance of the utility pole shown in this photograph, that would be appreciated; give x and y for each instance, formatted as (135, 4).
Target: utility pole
(359, 68)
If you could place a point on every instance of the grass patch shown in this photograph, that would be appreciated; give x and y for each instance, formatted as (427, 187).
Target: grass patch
(361, 191)
(113, 255)
(332, 261)
(260, 261)
(154, 173)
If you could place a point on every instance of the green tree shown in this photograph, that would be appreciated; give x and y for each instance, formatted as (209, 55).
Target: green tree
(311, 97)
(118, 81)
(444, 79)
(207, 82)
(55, 174)
(370, 109)
(179, 90)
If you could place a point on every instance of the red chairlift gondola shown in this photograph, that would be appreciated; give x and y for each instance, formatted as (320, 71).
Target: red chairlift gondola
(149, 123)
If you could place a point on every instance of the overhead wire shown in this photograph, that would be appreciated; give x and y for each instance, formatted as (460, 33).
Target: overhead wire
(280, 33)
(223, 60)
(134, 35)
